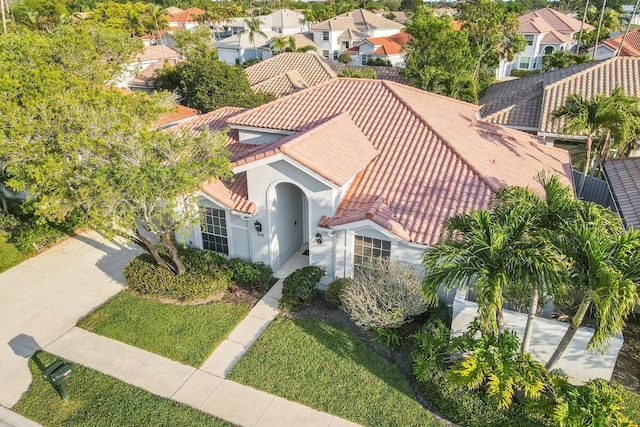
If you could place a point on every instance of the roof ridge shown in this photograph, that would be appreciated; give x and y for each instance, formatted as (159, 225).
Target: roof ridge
(597, 65)
(462, 158)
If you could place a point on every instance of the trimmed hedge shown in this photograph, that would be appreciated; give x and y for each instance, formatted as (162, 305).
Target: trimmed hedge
(246, 273)
(300, 286)
(524, 73)
(333, 295)
(34, 237)
(146, 277)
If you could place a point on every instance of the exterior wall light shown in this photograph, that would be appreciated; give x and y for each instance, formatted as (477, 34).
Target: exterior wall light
(318, 238)
(258, 226)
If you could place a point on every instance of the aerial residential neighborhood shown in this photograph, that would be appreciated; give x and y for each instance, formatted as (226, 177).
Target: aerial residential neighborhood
(385, 213)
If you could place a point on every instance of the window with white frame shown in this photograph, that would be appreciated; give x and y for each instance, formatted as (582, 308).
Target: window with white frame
(214, 230)
(336, 54)
(325, 36)
(325, 53)
(367, 248)
(365, 59)
(524, 62)
(529, 38)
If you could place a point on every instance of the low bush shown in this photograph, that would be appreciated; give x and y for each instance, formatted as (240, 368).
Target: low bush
(365, 73)
(246, 273)
(300, 286)
(524, 73)
(384, 294)
(145, 277)
(333, 296)
(30, 237)
(379, 62)
(345, 58)
(8, 221)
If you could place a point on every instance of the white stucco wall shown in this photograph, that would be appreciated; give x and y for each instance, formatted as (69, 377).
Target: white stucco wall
(578, 363)
(383, 32)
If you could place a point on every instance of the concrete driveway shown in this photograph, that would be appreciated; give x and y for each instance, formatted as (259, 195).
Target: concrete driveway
(44, 297)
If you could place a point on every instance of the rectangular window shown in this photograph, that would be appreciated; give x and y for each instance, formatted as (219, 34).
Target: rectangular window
(367, 248)
(524, 62)
(529, 38)
(325, 53)
(365, 59)
(335, 55)
(325, 36)
(214, 230)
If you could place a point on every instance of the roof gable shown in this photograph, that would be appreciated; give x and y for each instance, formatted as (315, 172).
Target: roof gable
(359, 19)
(631, 45)
(547, 19)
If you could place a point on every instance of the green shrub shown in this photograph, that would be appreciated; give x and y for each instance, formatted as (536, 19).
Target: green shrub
(30, 237)
(300, 286)
(146, 277)
(358, 73)
(333, 296)
(8, 221)
(390, 337)
(524, 73)
(344, 57)
(246, 273)
(379, 62)
(200, 259)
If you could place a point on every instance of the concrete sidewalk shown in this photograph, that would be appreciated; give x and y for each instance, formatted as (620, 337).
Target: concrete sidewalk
(43, 297)
(207, 392)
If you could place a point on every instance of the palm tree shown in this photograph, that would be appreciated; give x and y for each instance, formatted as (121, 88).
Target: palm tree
(292, 47)
(158, 17)
(253, 28)
(279, 44)
(544, 266)
(482, 250)
(605, 263)
(597, 117)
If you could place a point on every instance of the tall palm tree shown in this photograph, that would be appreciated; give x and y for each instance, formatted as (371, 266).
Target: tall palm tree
(253, 29)
(605, 263)
(486, 251)
(292, 47)
(544, 267)
(597, 117)
(158, 18)
(279, 44)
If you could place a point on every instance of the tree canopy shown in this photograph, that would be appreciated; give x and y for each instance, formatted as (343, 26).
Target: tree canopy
(75, 143)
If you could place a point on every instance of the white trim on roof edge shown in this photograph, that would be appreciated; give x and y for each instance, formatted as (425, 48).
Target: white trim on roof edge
(261, 130)
(353, 226)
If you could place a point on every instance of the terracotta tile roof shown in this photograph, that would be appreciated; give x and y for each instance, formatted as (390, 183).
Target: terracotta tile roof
(322, 149)
(147, 77)
(402, 38)
(554, 36)
(360, 19)
(631, 45)
(547, 19)
(288, 72)
(181, 113)
(623, 176)
(187, 15)
(234, 193)
(157, 52)
(527, 103)
(457, 25)
(601, 78)
(386, 46)
(435, 158)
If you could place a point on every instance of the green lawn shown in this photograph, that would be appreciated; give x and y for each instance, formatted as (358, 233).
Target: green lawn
(100, 400)
(187, 334)
(9, 254)
(326, 368)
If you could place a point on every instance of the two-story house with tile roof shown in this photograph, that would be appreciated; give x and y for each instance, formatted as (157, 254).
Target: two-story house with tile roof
(345, 31)
(390, 49)
(352, 169)
(546, 31)
(610, 47)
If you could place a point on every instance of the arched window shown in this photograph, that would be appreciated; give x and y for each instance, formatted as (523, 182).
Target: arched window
(548, 50)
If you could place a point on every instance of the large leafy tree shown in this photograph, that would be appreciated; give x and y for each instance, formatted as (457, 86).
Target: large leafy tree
(75, 144)
(605, 265)
(129, 16)
(439, 58)
(205, 83)
(613, 119)
(492, 35)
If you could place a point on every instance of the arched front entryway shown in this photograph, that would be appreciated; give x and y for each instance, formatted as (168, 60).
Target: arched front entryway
(288, 212)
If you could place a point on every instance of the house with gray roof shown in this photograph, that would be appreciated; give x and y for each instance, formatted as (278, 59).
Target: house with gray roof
(623, 177)
(527, 103)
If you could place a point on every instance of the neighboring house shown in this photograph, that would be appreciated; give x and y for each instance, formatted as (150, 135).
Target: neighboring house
(183, 19)
(239, 49)
(628, 15)
(345, 31)
(623, 177)
(356, 169)
(283, 21)
(386, 48)
(527, 103)
(546, 31)
(301, 40)
(393, 74)
(398, 16)
(288, 72)
(446, 11)
(609, 48)
(140, 74)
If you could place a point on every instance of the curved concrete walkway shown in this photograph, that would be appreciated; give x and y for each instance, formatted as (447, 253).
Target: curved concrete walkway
(42, 299)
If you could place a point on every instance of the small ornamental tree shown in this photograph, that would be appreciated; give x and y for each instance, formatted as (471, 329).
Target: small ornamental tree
(383, 294)
(345, 58)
